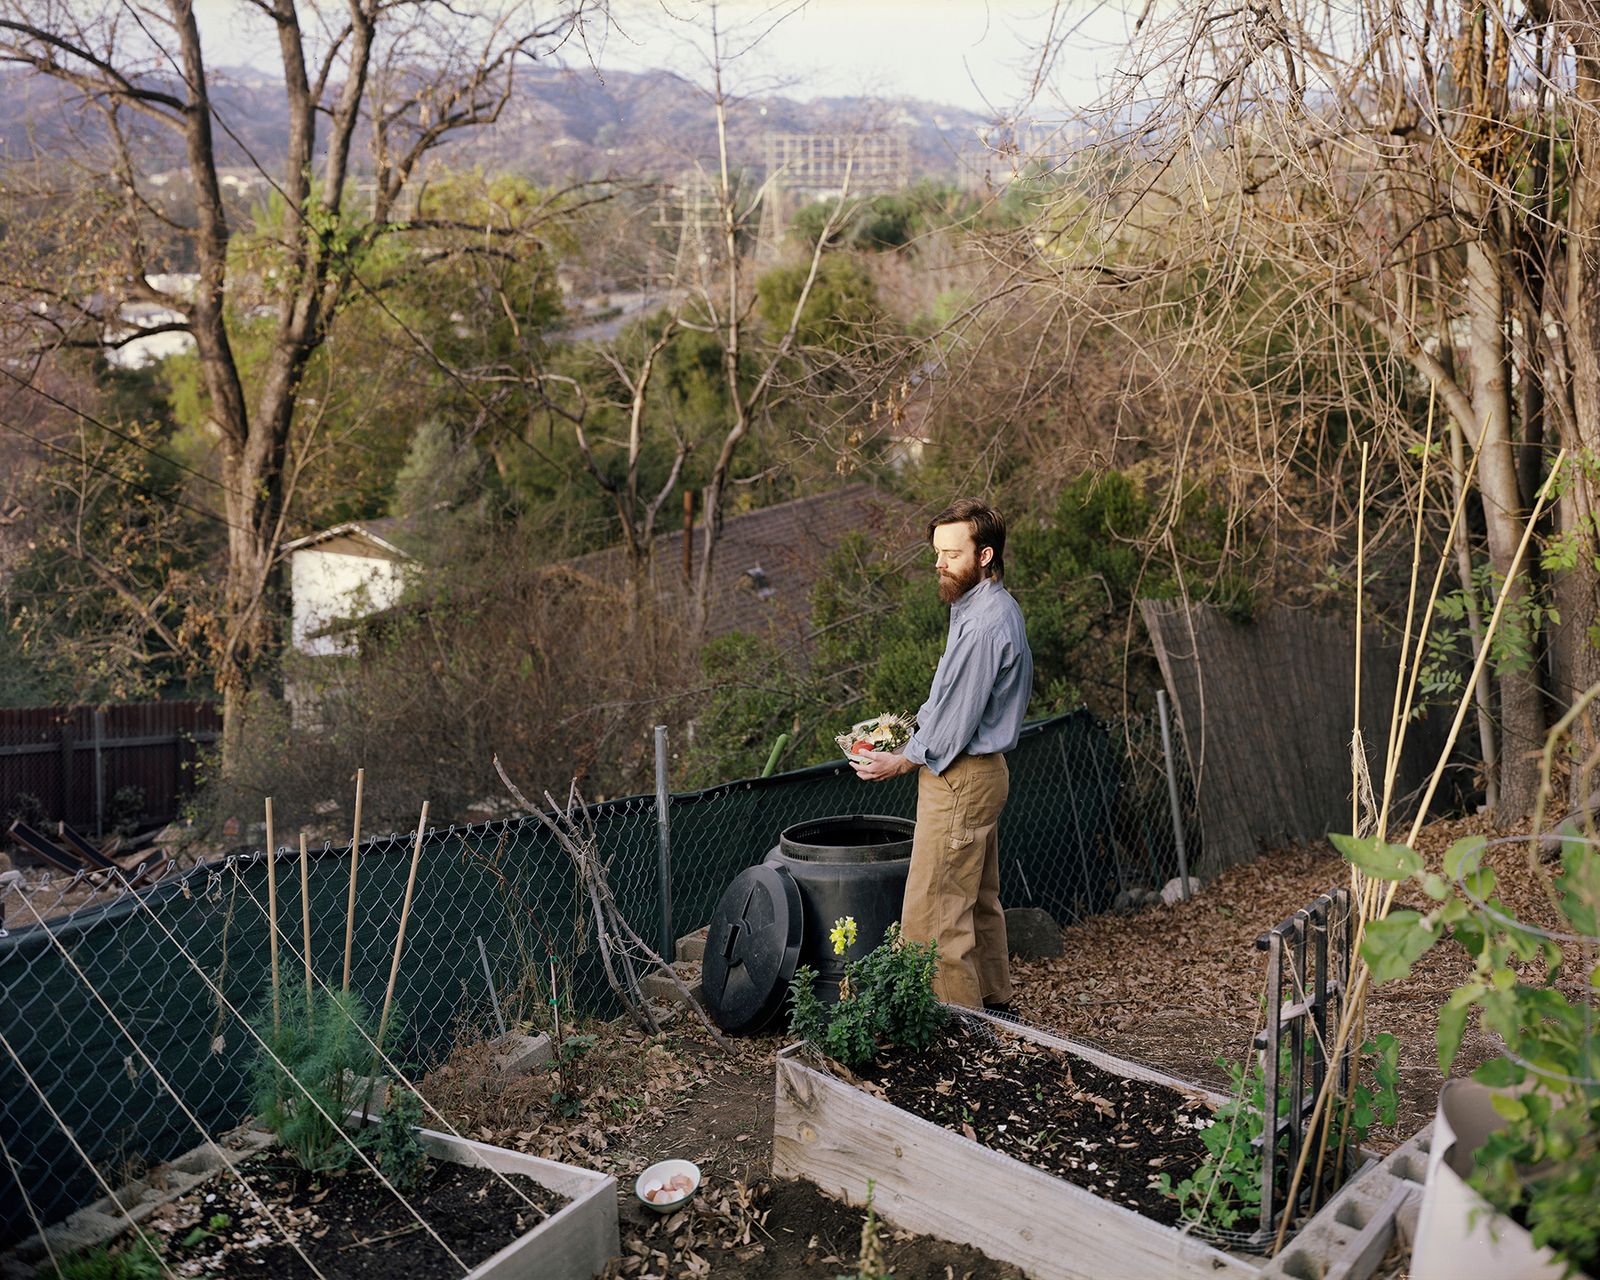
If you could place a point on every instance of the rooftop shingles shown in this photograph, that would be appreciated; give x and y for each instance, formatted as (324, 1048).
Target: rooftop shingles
(789, 543)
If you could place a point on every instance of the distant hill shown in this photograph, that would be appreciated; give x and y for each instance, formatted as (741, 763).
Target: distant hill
(559, 125)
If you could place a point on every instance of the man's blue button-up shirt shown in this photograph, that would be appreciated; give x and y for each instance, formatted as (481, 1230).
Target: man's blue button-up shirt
(980, 691)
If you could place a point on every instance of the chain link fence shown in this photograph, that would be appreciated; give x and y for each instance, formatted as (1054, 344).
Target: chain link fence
(184, 965)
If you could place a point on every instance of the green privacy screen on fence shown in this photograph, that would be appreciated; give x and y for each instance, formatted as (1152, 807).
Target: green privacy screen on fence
(182, 966)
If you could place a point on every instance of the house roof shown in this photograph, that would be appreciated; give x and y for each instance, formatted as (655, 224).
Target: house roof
(381, 534)
(767, 561)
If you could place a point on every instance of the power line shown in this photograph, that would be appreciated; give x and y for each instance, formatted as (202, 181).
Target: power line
(122, 480)
(108, 428)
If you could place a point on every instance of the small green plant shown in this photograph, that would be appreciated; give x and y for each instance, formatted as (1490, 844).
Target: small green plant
(216, 1223)
(885, 998)
(1543, 1168)
(402, 1158)
(869, 1261)
(1226, 1187)
(311, 1080)
(138, 1260)
(567, 1096)
(1225, 1190)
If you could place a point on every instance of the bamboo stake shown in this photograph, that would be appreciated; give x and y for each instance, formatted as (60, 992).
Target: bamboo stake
(405, 913)
(1399, 714)
(272, 915)
(305, 928)
(1361, 574)
(1356, 1003)
(350, 901)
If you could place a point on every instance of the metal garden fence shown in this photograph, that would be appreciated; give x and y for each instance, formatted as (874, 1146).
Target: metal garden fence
(184, 964)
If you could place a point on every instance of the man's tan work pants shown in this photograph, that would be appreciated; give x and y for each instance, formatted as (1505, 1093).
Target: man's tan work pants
(953, 889)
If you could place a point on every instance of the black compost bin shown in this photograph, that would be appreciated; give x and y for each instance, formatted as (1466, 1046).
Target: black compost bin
(776, 916)
(854, 865)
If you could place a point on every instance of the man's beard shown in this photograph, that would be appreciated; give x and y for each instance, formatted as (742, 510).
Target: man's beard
(952, 586)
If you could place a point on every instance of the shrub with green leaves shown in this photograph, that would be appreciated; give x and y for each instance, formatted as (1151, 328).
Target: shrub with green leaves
(139, 1260)
(1543, 1168)
(1224, 1191)
(886, 998)
(402, 1158)
(312, 1078)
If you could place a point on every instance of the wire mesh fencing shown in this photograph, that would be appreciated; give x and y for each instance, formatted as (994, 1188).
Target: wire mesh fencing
(183, 967)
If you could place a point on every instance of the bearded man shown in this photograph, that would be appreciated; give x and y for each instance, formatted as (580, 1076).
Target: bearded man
(971, 719)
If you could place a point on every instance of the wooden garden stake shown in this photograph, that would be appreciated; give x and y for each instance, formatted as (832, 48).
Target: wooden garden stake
(405, 912)
(305, 927)
(272, 914)
(350, 902)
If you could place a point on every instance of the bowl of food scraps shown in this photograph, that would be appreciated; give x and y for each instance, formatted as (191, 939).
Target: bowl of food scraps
(667, 1184)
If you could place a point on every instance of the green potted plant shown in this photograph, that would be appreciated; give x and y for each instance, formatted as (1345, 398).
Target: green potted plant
(1513, 1184)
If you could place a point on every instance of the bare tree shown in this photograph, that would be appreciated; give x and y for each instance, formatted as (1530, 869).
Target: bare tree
(763, 364)
(1388, 202)
(401, 79)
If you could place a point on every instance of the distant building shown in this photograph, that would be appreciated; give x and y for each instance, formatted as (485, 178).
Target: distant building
(340, 576)
(767, 562)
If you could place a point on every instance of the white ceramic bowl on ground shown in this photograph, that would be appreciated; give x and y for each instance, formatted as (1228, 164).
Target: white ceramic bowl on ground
(661, 1173)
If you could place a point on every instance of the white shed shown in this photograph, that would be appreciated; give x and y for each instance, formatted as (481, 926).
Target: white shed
(340, 575)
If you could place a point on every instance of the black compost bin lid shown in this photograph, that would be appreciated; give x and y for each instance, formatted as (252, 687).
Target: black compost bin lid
(752, 948)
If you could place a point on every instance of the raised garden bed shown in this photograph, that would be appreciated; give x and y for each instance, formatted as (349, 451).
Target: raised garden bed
(560, 1222)
(933, 1177)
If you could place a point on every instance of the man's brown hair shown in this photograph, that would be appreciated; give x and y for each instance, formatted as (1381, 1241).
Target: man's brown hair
(988, 528)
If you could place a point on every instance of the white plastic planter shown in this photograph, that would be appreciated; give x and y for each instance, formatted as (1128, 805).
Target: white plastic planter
(1459, 1237)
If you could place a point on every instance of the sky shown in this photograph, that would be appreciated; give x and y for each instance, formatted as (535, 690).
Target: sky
(979, 54)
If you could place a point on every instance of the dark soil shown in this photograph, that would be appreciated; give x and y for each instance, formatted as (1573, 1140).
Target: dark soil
(1102, 1132)
(348, 1223)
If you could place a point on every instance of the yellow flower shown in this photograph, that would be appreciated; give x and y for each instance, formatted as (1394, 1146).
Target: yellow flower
(843, 934)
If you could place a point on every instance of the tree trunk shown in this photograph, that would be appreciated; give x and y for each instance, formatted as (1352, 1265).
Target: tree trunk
(1521, 704)
(1575, 644)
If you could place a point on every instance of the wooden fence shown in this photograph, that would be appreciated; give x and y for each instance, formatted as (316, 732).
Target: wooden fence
(1265, 711)
(97, 766)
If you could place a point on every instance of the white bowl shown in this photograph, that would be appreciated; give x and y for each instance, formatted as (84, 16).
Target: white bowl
(663, 1171)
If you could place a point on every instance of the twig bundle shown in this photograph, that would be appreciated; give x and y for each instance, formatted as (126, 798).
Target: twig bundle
(620, 945)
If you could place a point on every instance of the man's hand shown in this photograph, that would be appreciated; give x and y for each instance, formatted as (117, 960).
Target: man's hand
(880, 766)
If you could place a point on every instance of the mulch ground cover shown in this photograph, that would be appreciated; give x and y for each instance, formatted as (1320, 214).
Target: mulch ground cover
(347, 1222)
(1102, 1132)
(1179, 986)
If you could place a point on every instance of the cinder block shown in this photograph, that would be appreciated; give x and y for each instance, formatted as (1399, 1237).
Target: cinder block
(203, 1159)
(659, 988)
(367, 1095)
(1348, 1238)
(520, 1055)
(692, 946)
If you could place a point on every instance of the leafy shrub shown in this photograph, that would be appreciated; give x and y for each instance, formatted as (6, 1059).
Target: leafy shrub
(125, 811)
(886, 998)
(1543, 1168)
(138, 1261)
(402, 1158)
(310, 1081)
